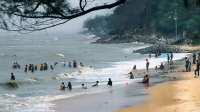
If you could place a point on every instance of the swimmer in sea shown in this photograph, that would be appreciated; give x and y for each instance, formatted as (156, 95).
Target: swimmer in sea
(83, 87)
(81, 64)
(62, 86)
(145, 80)
(109, 82)
(95, 84)
(69, 65)
(131, 75)
(69, 86)
(51, 67)
(12, 77)
(63, 63)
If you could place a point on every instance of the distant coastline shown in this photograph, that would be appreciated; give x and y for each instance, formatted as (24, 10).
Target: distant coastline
(158, 45)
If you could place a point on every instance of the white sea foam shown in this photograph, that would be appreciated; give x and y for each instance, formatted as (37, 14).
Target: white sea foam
(32, 78)
(91, 36)
(62, 55)
(2, 54)
(84, 70)
(55, 38)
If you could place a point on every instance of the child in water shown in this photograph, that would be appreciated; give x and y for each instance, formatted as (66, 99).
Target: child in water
(95, 84)
(83, 87)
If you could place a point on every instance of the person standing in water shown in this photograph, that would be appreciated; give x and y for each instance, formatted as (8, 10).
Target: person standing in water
(147, 65)
(62, 86)
(63, 63)
(51, 67)
(12, 77)
(109, 82)
(172, 56)
(69, 65)
(69, 86)
(84, 87)
(150, 55)
(168, 58)
(74, 63)
(81, 64)
(131, 75)
(145, 80)
(25, 70)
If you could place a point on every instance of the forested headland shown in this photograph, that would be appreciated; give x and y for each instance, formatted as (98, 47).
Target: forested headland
(163, 18)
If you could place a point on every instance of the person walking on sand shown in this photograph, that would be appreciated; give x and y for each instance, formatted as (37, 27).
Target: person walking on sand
(197, 69)
(198, 57)
(147, 65)
(189, 65)
(186, 63)
(194, 58)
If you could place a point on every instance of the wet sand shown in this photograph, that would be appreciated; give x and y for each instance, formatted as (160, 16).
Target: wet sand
(112, 100)
(173, 96)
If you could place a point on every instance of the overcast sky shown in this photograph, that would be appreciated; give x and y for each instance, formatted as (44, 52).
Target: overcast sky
(76, 24)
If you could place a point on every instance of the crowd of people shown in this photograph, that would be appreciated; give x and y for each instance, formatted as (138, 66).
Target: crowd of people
(16, 65)
(69, 86)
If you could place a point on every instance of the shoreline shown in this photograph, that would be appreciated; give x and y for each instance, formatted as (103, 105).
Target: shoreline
(99, 99)
(172, 96)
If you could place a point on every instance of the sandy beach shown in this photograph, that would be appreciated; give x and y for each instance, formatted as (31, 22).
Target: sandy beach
(173, 96)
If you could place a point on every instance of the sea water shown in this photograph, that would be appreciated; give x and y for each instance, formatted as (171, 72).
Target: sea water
(33, 91)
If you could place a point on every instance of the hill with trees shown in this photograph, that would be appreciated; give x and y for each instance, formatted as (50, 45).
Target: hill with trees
(150, 17)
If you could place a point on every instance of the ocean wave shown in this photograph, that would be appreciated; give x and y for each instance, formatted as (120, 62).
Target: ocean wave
(55, 77)
(84, 70)
(16, 84)
(12, 84)
(64, 75)
(7, 95)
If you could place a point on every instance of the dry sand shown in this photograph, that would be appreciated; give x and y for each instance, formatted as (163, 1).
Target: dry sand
(174, 96)
(187, 47)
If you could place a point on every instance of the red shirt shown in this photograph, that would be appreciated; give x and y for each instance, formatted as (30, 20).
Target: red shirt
(147, 79)
(74, 64)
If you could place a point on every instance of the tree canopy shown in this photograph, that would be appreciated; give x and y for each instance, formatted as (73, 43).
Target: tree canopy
(154, 16)
(34, 15)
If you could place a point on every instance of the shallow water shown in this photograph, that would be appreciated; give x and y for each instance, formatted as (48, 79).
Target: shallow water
(32, 91)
